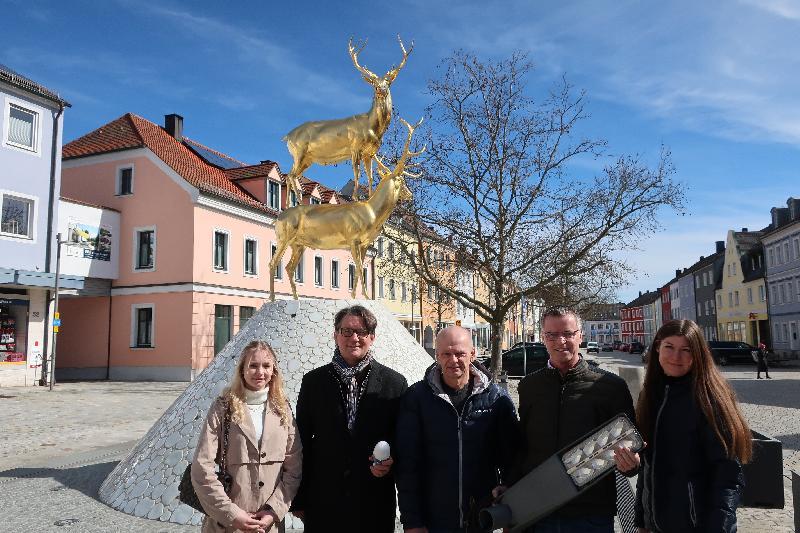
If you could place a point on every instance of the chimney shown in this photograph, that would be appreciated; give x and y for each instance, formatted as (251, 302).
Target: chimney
(640, 294)
(794, 208)
(780, 216)
(677, 272)
(744, 230)
(702, 257)
(720, 246)
(173, 124)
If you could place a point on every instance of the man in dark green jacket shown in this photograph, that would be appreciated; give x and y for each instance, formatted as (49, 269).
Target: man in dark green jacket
(558, 405)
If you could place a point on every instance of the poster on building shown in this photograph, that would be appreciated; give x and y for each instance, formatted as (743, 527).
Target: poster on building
(88, 242)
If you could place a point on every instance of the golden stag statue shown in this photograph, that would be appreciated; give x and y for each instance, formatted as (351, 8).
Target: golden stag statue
(352, 226)
(358, 137)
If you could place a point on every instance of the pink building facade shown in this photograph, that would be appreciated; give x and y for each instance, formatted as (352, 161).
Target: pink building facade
(196, 238)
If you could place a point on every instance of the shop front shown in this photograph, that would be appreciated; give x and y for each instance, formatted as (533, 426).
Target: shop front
(13, 330)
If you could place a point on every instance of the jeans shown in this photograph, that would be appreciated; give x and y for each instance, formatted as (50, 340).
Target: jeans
(587, 524)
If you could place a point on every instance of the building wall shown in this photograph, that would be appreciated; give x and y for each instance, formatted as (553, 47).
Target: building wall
(737, 318)
(688, 310)
(782, 252)
(705, 296)
(26, 174)
(82, 348)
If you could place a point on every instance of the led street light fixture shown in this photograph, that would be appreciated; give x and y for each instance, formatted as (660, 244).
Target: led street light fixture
(562, 476)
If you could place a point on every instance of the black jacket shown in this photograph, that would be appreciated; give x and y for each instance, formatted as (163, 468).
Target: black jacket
(686, 482)
(336, 476)
(556, 411)
(447, 464)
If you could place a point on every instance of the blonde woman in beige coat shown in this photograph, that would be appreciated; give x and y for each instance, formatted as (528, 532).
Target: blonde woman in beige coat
(264, 454)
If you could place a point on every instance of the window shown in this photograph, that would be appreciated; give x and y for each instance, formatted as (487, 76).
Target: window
(699, 309)
(351, 276)
(762, 293)
(391, 289)
(380, 246)
(782, 298)
(279, 267)
(697, 282)
(23, 128)
(749, 295)
(223, 322)
(314, 201)
(317, 271)
(430, 292)
(334, 273)
(145, 249)
(391, 250)
(250, 257)
(17, 216)
(124, 181)
(730, 299)
(380, 286)
(788, 291)
(771, 257)
(292, 199)
(274, 195)
(797, 248)
(736, 298)
(298, 272)
(142, 326)
(245, 314)
(220, 250)
(786, 251)
(364, 277)
(403, 292)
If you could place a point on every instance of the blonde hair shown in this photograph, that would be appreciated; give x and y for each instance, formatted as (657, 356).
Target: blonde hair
(235, 392)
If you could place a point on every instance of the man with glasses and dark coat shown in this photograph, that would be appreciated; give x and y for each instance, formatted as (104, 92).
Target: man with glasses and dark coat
(558, 405)
(343, 410)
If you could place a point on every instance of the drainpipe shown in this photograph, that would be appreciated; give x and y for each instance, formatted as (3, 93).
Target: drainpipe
(48, 254)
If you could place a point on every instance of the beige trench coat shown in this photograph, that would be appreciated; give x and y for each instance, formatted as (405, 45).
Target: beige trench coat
(264, 475)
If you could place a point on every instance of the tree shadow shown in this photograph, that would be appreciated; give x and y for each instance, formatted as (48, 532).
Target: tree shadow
(85, 479)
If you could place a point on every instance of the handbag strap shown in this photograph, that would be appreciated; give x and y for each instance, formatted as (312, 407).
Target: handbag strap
(226, 430)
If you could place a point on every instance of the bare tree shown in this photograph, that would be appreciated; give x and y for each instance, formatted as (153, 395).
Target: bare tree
(500, 181)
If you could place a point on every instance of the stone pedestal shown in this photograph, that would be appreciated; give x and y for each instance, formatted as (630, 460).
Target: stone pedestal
(145, 483)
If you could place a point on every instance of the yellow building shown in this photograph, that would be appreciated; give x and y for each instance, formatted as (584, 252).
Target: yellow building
(742, 298)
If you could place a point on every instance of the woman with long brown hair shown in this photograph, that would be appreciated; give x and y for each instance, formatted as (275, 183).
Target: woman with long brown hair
(262, 450)
(691, 469)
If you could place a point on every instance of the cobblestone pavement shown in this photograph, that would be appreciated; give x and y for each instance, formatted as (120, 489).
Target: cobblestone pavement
(57, 447)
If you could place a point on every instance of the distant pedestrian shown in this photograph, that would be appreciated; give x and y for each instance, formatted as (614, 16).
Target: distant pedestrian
(263, 453)
(763, 365)
(697, 439)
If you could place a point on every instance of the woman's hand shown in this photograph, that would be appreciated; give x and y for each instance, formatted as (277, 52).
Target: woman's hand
(382, 468)
(245, 522)
(266, 518)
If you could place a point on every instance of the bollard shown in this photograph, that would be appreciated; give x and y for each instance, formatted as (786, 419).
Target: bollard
(763, 476)
(634, 377)
(796, 498)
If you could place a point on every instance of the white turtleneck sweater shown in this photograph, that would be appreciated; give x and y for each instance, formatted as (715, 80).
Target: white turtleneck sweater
(256, 403)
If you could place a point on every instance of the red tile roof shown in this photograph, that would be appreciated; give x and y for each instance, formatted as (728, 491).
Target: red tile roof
(260, 170)
(132, 131)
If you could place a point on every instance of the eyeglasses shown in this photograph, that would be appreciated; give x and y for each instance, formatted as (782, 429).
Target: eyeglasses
(349, 332)
(564, 334)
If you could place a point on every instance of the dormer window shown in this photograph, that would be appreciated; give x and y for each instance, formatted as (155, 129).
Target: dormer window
(274, 195)
(314, 201)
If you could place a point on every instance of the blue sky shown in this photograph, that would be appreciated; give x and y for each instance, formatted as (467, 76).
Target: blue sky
(716, 82)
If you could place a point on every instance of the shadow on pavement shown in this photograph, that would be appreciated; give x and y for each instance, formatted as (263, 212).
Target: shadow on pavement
(86, 479)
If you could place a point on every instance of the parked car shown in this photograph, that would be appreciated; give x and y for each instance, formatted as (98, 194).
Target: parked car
(624, 347)
(636, 347)
(528, 344)
(725, 352)
(646, 353)
(592, 346)
(537, 357)
(606, 347)
(616, 345)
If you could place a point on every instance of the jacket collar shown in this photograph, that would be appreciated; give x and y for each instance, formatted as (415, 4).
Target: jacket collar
(270, 419)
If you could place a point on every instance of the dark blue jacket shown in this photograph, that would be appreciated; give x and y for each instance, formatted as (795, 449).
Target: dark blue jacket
(447, 464)
(687, 483)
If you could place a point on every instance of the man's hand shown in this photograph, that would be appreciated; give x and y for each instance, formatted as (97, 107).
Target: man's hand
(498, 491)
(382, 468)
(245, 522)
(627, 461)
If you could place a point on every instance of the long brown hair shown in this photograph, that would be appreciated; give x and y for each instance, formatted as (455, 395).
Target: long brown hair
(710, 389)
(235, 392)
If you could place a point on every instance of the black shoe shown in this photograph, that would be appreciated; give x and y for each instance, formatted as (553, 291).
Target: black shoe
(769, 377)
(758, 377)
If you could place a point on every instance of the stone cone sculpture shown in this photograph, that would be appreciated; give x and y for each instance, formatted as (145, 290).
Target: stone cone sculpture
(145, 483)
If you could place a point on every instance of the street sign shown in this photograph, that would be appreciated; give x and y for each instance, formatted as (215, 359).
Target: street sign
(55, 329)
(56, 322)
(57, 315)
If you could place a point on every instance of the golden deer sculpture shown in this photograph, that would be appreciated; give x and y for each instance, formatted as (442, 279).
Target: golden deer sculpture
(357, 138)
(352, 226)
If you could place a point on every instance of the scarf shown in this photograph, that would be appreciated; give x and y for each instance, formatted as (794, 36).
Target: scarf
(256, 397)
(348, 376)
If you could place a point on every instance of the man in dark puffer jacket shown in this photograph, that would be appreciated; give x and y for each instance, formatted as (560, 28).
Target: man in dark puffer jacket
(456, 440)
(558, 405)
